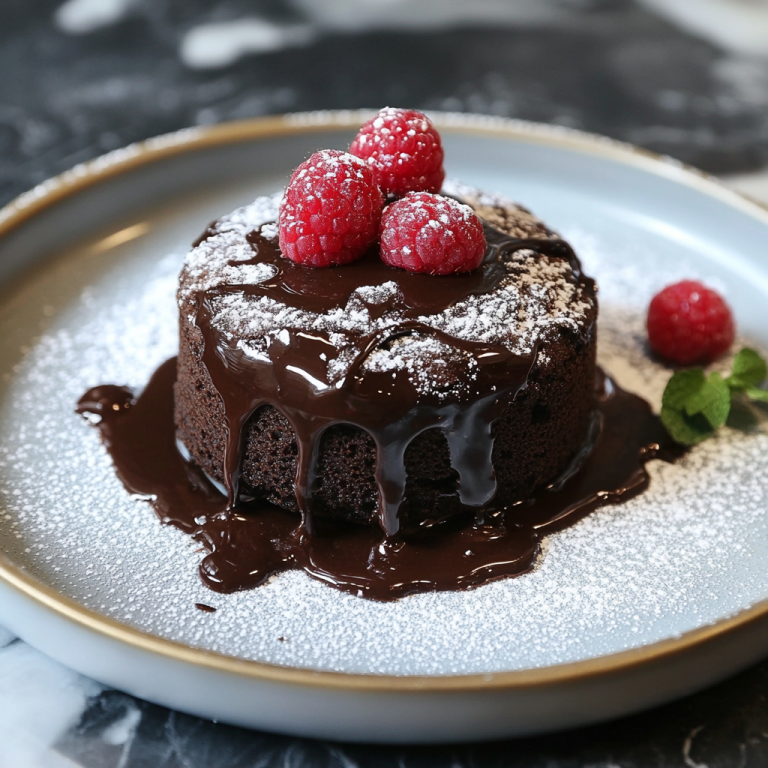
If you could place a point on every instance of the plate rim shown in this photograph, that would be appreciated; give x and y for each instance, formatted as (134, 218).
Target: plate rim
(189, 140)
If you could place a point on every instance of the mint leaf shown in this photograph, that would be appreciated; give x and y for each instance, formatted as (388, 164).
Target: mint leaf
(753, 393)
(749, 370)
(712, 400)
(694, 406)
(681, 386)
(686, 430)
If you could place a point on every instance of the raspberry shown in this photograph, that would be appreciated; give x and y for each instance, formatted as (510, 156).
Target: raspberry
(403, 149)
(432, 234)
(330, 211)
(688, 323)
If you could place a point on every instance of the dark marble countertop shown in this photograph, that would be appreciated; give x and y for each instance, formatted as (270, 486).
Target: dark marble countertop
(82, 77)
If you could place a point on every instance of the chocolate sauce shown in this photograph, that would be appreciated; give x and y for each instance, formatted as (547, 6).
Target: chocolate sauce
(250, 542)
(293, 375)
(323, 290)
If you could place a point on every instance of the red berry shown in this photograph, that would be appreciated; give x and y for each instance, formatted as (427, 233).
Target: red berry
(432, 234)
(330, 211)
(689, 323)
(403, 149)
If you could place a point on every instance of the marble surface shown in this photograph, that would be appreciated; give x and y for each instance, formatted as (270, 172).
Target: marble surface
(684, 77)
(50, 717)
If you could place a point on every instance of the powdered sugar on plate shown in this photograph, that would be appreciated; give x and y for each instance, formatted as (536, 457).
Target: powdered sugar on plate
(687, 552)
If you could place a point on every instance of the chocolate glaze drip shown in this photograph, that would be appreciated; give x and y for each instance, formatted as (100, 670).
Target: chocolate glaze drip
(250, 542)
(293, 377)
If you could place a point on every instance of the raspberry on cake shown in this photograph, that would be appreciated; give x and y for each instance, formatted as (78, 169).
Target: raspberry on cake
(331, 210)
(404, 151)
(432, 234)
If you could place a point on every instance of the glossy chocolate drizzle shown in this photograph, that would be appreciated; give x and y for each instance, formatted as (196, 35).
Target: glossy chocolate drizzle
(323, 290)
(248, 544)
(293, 376)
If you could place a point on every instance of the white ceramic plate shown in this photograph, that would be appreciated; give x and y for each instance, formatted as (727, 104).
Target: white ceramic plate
(634, 605)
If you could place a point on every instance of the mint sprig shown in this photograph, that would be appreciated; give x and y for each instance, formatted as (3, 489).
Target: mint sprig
(694, 406)
(749, 371)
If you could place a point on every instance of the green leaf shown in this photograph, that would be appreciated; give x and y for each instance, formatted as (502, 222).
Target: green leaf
(749, 370)
(712, 400)
(681, 386)
(694, 405)
(753, 393)
(687, 430)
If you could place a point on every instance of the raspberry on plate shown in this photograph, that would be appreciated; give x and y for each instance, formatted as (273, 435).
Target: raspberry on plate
(689, 323)
(331, 210)
(403, 149)
(432, 234)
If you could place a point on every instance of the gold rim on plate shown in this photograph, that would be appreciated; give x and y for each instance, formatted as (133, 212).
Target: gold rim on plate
(127, 159)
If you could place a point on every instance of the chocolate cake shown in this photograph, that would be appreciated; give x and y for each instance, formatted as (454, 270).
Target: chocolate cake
(378, 396)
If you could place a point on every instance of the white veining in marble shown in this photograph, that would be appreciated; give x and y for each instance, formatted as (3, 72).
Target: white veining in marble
(738, 25)
(219, 44)
(357, 15)
(39, 701)
(78, 17)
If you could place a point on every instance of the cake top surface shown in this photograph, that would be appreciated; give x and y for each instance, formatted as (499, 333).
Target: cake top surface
(535, 297)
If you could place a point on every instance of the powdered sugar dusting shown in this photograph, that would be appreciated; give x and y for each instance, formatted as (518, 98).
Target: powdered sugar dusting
(689, 551)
